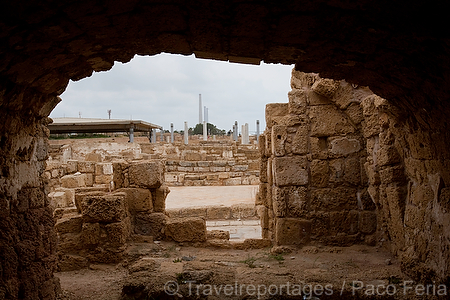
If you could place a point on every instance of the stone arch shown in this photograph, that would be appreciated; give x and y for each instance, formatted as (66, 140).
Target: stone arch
(394, 49)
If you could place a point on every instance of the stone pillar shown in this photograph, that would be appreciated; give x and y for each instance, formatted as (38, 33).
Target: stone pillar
(236, 134)
(131, 134)
(205, 131)
(154, 135)
(171, 132)
(162, 135)
(257, 131)
(186, 133)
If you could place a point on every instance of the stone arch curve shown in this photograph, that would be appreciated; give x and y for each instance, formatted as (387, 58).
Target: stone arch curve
(399, 50)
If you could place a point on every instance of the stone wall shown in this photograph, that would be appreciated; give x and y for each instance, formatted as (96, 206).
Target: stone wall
(313, 183)
(341, 165)
(199, 164)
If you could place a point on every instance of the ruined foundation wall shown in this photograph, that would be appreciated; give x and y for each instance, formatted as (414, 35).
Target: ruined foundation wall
(341, 165)
(313, 184)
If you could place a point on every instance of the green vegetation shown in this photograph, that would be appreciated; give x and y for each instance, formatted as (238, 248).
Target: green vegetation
(77, 136)
(212, 129)
(250, 262)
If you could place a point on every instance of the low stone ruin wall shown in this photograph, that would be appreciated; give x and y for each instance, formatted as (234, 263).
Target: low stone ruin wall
(211, 163)
(313, 181)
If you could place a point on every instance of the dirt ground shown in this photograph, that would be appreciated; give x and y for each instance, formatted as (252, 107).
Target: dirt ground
(156, 271)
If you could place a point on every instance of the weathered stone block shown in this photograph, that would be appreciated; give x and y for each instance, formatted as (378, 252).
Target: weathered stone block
(317, 99)
(340, 198)
(344, 146)
(218, 213)
(296, 201)
(319, 173)
(275, 111)
(292, 231)
(217, 235)
(79, 196)
(352, 170)
(86, 167)
(118, 233)
(150, 224)
(72, 166)
(106, 208)
(103, 169)
(159, 196)
(70, 224)
(344, 222)
(327, 120)
(325, 87)
(279, 135)
(368, 222)
(146, 174)
(90, 234)
(300, 141)
(392, 174)
(354, 112)
(57, 199)
(70, 262)
(243, 211)
(290, 171)
(319, 147)
(138, 199)
(103, 179)
(186, 229)
(300, 80)
(298, 102)
(73, 181)
(320, 224)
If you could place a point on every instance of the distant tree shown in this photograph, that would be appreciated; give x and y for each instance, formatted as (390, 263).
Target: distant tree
(212, 129)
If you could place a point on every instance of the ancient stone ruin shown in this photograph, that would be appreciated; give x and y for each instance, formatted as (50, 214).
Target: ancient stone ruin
(399, 50)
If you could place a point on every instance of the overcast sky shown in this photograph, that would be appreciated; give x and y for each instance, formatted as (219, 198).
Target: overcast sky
(165, 89)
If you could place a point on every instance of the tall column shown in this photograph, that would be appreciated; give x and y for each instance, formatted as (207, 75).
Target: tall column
(186, 133)
(131, 134)
(205, 131)
(162, 135)
(236, 137)
(257, 132)
(171, 132)
(242, 134)
(200, 107)
(154, 135)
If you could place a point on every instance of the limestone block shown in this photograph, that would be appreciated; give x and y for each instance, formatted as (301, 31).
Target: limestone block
(106, 208)
(89, 179)
(104, 179)
(268, 144)
(233, 181)
(253, 244)
(90, 234)
(274, 111)
(86, 167)
(146, 174)
(79, 196)
(279, 135)
(159, 196)
(57, 199)
(218, 213)
(73, 181)
(336, 170)
(300, 141)
(368, 222)
(262, 193)
(72, 166)
(104, 169)
(263, 216)
(301, 80)
(319, 147)
(320, 224)
(327, 120)
(263, 170)
(352, 170)
(70, 224)
(279, 201)
(355, 113)
(344, 146)
(298, 101)
(325, 87)
(170, 178)
(292, 231)
(344, 222)
(192, 212)
(290, 170)
(340, 198)
(243, 211)
(371, 126)
(344, 95)
(319, 173)
(217, 169)
(138, 199)
(190, 155)
(145, 264)
(217, 235)
(387, 155)
(118, 233)
(186, 229)
(296, 201)
(150, 224)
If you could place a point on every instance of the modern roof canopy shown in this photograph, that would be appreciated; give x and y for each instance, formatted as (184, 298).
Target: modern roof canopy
(84, 125)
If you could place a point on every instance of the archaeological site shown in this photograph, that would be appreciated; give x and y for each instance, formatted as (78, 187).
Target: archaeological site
(348, 185)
